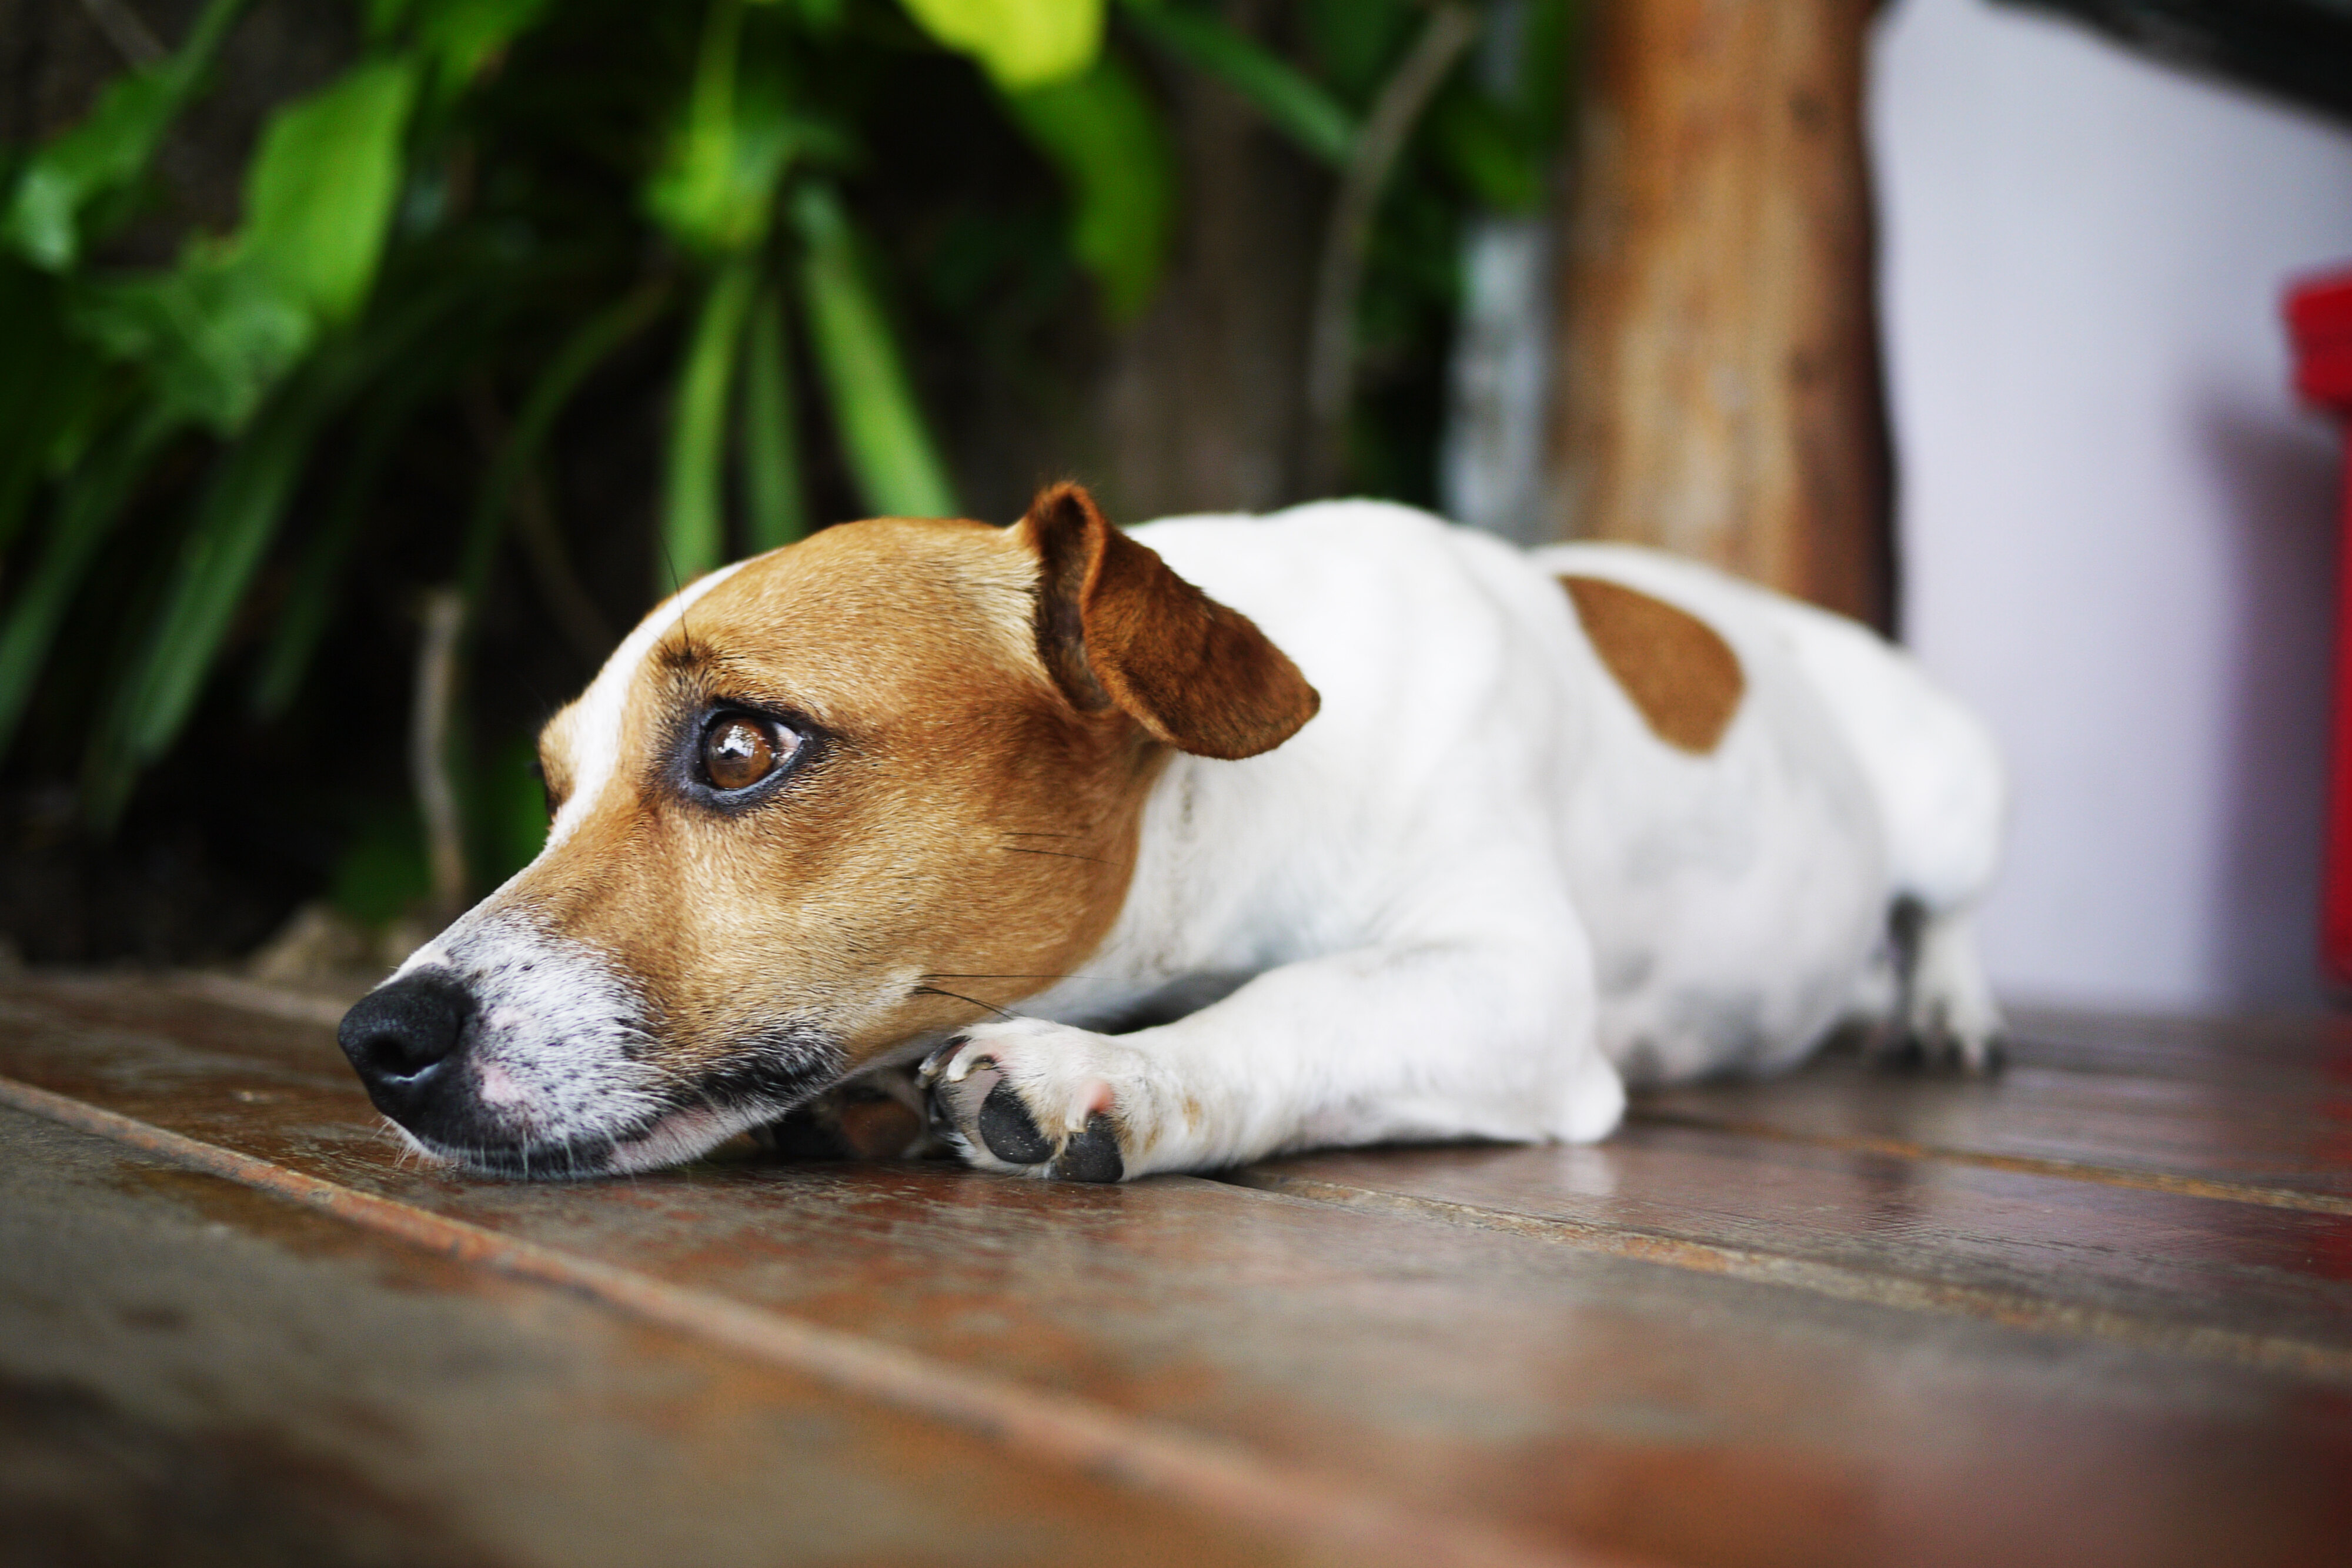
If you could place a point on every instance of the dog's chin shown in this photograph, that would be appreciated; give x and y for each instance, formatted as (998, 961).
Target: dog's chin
(672, 1139)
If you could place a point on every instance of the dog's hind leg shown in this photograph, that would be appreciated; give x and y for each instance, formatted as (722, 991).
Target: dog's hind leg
(1942, 795)
(1943, 1008)
(1949, 1006)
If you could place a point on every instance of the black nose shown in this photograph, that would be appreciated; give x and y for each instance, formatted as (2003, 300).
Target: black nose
(399, 1036)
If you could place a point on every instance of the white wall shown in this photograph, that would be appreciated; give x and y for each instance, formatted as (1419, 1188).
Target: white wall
(2117, 526)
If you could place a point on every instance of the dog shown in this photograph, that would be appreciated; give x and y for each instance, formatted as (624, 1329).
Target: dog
(1171, 849)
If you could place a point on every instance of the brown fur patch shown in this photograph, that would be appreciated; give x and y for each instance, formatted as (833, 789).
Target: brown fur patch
(955, 839)
(1679, 672)
(1114, 625)
(983, 712)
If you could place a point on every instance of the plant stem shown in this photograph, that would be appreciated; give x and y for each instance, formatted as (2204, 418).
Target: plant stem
(883, 434)
(432, 705)
(131, 36)
(772, 463)
(522, 491)
(1339, 278)
(693, 531)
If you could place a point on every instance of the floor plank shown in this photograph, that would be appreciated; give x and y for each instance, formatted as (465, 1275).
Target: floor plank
(1585, 1397)
(2244, 1124)
(2292, 1051)
(192, 1372)
(2266, 1285)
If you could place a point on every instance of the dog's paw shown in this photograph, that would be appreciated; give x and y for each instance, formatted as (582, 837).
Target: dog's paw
(1945, 1014)
(1933, 1039)
(1968, 1039)
(1953, 1019)
(1036, 1098)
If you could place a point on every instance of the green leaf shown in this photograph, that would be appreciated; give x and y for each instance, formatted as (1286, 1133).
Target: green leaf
(320, 195)
(461, 37)
(219, 330)
(311, 605)
(883, 434)
(1021, 44)
(1487, 150)
(775, 512)
(1548, 42)
(234, 519)
(106, 153)
(385, 17)
(694, 532)
(589, 346)
(215, 339)
(508, 809)
(382, 872)
(715, 191)
(1295, 103)
(52, 390)
(1107, 140)
(1357, 42)
(87, 510)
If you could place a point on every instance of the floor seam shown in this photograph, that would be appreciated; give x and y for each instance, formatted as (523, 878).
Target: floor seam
(2269, 1352)
(2023, 1164)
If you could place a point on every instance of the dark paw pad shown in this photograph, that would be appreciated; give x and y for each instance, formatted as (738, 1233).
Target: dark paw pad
(1093, 1154)
(1008, 1130)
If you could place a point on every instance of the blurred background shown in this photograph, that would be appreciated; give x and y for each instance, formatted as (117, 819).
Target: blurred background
(366, 368)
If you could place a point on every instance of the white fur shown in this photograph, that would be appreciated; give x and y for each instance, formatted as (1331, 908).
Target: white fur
(1475, 894)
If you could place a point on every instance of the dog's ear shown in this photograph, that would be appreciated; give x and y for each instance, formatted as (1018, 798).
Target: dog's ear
(1118, 629)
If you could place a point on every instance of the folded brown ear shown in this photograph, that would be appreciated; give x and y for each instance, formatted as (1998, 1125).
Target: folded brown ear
(1116, 628)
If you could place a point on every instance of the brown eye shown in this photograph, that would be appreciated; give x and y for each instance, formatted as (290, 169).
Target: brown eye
(739, 750)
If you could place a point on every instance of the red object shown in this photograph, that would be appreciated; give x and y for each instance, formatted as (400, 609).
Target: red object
(2319, 319)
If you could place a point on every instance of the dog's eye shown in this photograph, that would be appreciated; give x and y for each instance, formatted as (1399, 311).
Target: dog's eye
(739, 750)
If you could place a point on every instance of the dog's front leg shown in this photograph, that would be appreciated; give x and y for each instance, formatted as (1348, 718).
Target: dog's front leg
(1435, 1041)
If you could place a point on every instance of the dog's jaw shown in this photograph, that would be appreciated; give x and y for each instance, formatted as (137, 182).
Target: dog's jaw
(680, 1137)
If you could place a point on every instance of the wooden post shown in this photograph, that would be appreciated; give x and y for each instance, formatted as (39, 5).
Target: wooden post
(1719, 371)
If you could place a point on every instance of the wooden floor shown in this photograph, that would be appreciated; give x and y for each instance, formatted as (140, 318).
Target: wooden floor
(2095, 1311)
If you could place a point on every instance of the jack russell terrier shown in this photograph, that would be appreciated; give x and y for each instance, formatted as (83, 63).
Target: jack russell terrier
(1168, 849)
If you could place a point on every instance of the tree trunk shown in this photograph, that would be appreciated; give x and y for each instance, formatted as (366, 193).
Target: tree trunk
(1201, 406)
(1719, 369)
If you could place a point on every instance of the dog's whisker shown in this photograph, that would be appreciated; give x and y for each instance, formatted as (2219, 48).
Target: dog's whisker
(944, 976)
(1057, 854)
(975, 1001)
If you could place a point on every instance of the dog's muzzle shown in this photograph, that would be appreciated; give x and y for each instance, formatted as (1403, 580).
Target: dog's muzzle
(511, 1053)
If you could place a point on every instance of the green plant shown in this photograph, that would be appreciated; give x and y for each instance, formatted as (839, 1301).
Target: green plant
(497, 201)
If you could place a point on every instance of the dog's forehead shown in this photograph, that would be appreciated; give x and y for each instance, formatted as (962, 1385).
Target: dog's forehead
(860, 600)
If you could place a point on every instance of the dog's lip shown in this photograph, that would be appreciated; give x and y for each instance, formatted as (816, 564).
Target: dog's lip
(670, 1138)
(577, 1160)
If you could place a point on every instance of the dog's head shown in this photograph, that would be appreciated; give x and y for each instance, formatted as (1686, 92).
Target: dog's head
(819, 809)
